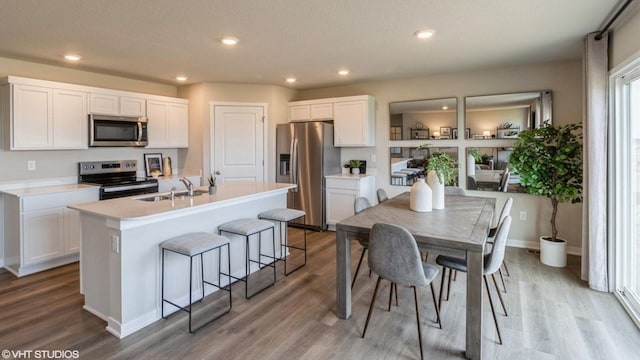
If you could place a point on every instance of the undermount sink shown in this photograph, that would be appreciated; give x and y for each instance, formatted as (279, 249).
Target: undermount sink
(182, 194)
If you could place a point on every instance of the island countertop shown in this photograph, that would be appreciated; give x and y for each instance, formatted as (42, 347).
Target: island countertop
(132, 208)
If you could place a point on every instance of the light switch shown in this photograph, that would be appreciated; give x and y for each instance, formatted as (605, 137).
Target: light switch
(115, 244)
(31, 165)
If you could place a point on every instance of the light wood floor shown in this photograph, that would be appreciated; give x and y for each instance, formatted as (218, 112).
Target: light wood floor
(552, 315)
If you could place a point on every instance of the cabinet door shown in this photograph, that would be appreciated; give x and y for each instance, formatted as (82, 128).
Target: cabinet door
(322, 111)
(71, 231)
(70, 119)
(130, 106)
(43, 235)
(299, 113)
(157, 130)
(178, 125)
(32, 114)
(339, 204)
(104, 104)
(352, 124)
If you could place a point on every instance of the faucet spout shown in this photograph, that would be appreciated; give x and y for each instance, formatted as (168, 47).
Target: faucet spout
(188, 184)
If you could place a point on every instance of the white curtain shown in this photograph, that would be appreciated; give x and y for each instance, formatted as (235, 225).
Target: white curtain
(594, 213)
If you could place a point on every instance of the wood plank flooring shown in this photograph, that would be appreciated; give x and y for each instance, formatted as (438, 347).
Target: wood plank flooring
(552, 315)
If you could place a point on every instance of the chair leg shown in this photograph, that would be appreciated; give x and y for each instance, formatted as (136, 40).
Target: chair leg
(444, 270)
(373, 298)
(395, 288)
(493, 311)
(506, 269)
(353, 282)
(435, 304)
(449, 285)
(495, 283)
(390, 295)
(455, 275)
(415, 296)
(504, 287)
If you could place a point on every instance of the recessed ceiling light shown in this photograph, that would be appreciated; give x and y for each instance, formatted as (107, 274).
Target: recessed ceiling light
(229, 40)
(291, 80)
(72, 57)
(181, 78)
(343, 72)
(445, 107)
(424, 34)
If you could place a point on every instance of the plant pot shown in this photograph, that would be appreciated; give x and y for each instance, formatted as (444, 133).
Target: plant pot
(420, 199)
(553, 253)
(213, 190)
(437, 189)
(471, 165)
(345, 171)
(355, 171)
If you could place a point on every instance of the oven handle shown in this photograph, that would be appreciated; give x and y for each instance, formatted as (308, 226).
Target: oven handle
(111, 189)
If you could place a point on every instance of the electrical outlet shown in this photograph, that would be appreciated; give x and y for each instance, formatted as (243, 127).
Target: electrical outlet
(373, 158)
(523, 215)
(31, 165)
(115, 244)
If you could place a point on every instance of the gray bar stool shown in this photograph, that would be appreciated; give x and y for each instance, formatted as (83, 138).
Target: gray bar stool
(192, 245)
(283, 216)
(247, 228)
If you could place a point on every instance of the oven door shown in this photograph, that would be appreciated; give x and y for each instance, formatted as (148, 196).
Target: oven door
(122, 190)
(107, 130)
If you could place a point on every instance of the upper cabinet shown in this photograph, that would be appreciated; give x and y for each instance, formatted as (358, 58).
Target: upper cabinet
(353, 118)
(168, 124)
(114, 104)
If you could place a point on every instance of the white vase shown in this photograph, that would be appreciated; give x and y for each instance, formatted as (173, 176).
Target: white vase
(553, 253)
(355, 171)
(420, 199)
(437, 189)
(471, 166)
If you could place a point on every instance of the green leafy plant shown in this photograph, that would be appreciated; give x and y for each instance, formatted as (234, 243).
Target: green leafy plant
(477, 156)
(354, 163)
(444, 166)
(549, 161)
(212, 180)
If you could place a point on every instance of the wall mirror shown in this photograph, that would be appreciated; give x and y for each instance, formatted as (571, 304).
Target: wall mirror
(504, 116)
(432, 119)
(408, 164)
(488, 170)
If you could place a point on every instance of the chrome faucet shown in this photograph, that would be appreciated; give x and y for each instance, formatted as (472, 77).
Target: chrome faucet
(173, 193)
(188, 184)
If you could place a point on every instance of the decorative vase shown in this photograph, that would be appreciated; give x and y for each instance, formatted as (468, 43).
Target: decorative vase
(355, 171)
(166, 166)
(437, 189)
(420, 199)
(553, 253)
(345, 171)
(471, 165)
(213, 190)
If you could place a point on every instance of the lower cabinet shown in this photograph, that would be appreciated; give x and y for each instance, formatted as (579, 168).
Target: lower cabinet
(341, 192)
(40, 232)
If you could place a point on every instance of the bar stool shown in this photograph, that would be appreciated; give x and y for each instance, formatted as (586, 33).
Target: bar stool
(192, 245)
(247, 228)
(283, 216)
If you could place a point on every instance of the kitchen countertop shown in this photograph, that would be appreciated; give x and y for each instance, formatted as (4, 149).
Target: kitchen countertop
(130, 208)
(348, 176)
(22, 192)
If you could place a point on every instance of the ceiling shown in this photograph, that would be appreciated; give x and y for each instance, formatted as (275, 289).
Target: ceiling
(307, 39)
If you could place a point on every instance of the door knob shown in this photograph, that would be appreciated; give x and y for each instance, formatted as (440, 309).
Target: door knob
(218, 172)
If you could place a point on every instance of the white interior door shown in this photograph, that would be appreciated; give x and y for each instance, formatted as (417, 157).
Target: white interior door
(238, 143)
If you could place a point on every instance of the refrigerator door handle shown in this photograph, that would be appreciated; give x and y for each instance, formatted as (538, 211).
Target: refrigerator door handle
(294, 163)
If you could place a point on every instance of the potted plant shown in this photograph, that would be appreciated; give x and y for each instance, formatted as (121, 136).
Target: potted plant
(355, 166)
(473, 157)
(440, 172)
(549, 162)
(212, 184)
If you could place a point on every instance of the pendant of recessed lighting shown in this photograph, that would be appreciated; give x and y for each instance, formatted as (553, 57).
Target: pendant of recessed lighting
(229, 40)
(72, 57)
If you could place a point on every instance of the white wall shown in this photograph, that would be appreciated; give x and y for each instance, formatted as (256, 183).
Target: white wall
(625, 40)
(563, 78)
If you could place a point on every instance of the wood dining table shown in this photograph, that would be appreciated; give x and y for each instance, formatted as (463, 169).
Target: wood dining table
(460, 229)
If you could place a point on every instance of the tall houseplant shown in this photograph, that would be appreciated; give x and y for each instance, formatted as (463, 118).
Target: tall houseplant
(549, 162)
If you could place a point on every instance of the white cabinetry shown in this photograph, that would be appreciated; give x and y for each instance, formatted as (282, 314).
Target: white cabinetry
(40, 232)
(168, 124)
(354, 121)
(39, 118)
(114, 104)
(341, 193)
(310, 111)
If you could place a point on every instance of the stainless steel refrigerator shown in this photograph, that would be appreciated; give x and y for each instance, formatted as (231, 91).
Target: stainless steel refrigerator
(305, 155)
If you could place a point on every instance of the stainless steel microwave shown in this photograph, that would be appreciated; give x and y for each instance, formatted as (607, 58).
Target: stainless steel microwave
(106, 130)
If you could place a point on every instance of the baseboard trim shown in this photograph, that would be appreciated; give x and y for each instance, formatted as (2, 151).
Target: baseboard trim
(535, 245)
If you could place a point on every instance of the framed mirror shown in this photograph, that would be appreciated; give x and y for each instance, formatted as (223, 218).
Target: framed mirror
(504, 116)
(487, 169)
(432, 119)
(408, 164)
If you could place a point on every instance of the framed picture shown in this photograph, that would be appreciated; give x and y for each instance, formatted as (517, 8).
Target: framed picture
(509, 133)
(445, 132)
(454, 133)
(467, 133)
(152, 162)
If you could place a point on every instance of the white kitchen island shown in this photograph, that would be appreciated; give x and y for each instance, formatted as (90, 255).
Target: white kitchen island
(120, 260)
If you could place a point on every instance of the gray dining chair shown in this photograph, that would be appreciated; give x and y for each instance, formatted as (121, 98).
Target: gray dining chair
(506, 210)
(360, 204)
(454, 190)
(382, 195)
(504, 181)
(394, 256)
(492, 262)
(471, 183)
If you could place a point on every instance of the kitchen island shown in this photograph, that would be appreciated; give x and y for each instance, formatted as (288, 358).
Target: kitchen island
(120, 261)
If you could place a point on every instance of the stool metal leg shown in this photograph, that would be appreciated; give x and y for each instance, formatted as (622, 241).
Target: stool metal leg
(190, 290)
(287, 246)
(162, 285)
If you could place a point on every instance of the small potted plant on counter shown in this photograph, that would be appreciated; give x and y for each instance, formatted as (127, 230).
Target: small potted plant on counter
(212, 184)
(355, 166)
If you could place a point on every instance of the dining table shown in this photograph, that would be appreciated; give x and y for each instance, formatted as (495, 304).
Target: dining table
(460, 229)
